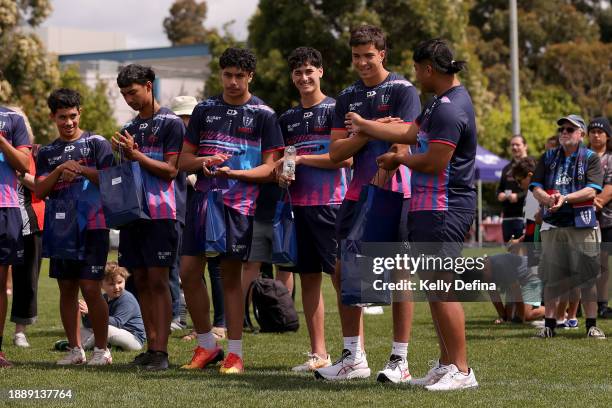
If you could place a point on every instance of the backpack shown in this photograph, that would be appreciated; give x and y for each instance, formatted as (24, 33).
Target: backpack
(272, 306)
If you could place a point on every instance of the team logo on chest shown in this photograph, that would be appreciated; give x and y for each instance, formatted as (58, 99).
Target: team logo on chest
(384, 105)
(320, 123)
(247, 124)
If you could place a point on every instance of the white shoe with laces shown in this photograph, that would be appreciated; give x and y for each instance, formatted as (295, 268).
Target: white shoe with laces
(100, 357)
(454, 380)
(74, 356)
(20, 340)
(346, 368)
(395, 371)
(435, 372)
(314, 362)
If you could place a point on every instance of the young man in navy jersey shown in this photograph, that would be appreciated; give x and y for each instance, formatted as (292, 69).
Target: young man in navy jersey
(68, 169)
(317, 191)
(443, 196)
(232, 143)
(148, 247)
(14, 156)
(377, 95)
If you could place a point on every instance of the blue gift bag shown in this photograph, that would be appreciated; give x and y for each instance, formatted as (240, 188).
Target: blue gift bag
(284, 240)
(377, 219)
(215, 230)
(64, 229)
(123, 195)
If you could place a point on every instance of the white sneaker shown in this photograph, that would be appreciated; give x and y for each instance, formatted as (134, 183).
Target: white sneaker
(100, 357)
(596, 333)
(436, 372)
(395, 371)
(74, 356)
(454, 380)
(20, 340)
(314, 362)
(373, 310)
(345, 368)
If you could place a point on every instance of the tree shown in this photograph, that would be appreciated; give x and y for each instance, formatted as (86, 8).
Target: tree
(97, 113)
(185, 25)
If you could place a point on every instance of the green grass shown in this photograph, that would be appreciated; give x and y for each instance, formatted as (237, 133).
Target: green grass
(512, 368)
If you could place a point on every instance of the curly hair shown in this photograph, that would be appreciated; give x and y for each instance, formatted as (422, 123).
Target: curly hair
(238, 57)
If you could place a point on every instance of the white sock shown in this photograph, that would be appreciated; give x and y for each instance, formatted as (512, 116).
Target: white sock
(234, 346)
(353, 344)
(400, 349)
(206, 340)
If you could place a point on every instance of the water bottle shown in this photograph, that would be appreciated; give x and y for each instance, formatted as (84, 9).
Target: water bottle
(289, 162)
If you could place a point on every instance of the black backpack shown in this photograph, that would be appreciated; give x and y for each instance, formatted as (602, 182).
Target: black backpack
(272, 306)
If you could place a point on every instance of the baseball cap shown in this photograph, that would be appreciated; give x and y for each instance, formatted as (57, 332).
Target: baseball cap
(575, 120)
(183, 105)
(601, 123)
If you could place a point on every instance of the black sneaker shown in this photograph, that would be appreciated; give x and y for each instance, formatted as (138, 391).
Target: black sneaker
(604, 312)
(158, 362)
(142, 359)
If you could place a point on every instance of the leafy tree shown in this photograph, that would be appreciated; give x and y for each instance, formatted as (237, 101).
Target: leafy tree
(185, 25)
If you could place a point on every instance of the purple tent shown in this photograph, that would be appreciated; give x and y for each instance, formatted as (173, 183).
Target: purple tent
(488, 169)
(488, 165)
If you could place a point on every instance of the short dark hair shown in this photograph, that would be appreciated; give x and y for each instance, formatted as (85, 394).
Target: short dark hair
(523, 167)
(368, 34)
(64, 98)
(520, 137)
(238, 57)
(305, 55)
(135, 74)
(438, 52)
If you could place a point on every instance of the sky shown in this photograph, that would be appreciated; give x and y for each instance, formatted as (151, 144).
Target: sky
(141, 21)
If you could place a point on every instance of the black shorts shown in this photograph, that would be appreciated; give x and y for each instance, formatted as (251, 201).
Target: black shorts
(11, 241)
(239, 231)
(92, 267)
(148, 243)
(440, 233)
(316, 238)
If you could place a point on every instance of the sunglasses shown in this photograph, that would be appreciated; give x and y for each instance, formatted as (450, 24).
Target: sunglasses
(567, 129)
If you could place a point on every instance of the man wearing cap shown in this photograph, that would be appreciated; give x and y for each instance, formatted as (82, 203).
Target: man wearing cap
(600, 142)
(566, 181)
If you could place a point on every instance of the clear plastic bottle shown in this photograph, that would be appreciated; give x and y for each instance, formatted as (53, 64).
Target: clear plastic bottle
(289, 162)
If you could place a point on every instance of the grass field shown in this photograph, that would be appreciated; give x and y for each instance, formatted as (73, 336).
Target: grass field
(512, 368)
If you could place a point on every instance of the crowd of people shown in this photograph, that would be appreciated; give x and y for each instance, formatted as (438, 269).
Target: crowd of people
(374, 131)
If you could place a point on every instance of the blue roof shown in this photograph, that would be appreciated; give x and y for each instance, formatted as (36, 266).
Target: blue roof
(140, 54)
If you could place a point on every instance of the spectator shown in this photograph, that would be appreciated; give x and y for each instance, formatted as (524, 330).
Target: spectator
(125, 326)
(601, 143)
(566, 178)
(25, 276)
(510, 194)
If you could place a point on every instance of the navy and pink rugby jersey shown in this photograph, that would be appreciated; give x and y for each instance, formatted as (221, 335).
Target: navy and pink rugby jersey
(309, 129)
(395, 97)
(447, 119)
(244, 132)
(13, 129)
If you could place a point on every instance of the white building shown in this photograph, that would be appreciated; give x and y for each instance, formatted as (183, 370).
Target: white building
(62, 40)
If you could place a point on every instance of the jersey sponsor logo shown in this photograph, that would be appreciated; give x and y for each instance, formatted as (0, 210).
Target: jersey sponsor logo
(143, 126)
(354, 106)
(292, 126)
(69, 148)
(307, 115)
(370, 94)
(231, 112)
(212, 118)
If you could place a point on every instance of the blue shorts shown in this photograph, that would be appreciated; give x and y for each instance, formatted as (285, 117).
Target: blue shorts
(440, 233)
(346, 214)
(316, 238)
(239, 231)
(148, 243)
(11, 240)
(96, 253)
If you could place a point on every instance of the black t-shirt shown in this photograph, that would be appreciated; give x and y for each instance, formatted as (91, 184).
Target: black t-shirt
(507, 182)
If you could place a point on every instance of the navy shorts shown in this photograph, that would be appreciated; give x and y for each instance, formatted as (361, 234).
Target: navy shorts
(239, 232)
(316, 238)
(11, 240)
(439, 233)
(346, 214)
(148, 243)
(92, 267)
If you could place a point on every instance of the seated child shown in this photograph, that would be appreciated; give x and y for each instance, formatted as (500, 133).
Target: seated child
(125, 325)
